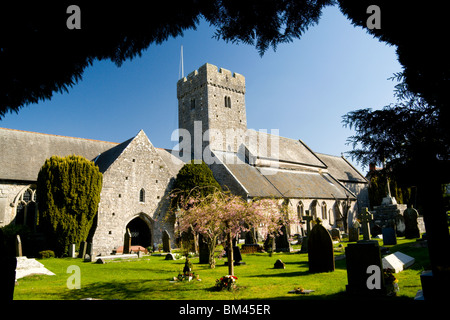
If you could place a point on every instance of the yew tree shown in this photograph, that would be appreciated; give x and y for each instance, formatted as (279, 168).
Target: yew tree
(68, 194)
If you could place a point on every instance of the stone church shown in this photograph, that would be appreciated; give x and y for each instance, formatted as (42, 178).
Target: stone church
(137, 176)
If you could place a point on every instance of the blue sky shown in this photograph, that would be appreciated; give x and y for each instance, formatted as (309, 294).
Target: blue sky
(303, 89)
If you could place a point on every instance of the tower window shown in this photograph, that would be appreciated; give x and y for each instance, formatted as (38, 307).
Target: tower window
(142, 195)
(227, 101)
(192, 104)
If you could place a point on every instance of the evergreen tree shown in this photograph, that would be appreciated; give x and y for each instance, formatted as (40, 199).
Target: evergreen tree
(68, 193)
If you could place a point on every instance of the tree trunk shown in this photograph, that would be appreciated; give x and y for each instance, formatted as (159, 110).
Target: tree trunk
(230, 255)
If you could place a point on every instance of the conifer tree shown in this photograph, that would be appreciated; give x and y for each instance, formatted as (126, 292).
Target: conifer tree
(68, 194)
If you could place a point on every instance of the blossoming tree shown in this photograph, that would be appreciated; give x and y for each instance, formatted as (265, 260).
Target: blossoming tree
(222, 214)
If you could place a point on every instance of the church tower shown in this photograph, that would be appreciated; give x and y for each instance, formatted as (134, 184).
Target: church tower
(211, 109)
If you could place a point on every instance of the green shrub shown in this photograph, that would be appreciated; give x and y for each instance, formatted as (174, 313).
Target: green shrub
(46, 254)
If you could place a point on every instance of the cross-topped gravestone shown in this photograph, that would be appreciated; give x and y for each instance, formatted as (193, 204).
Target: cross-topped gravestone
(307, 218)
(366, 217)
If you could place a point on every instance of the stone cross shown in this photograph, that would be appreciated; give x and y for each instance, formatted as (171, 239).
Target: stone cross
(127, 242)
(18, 246)
(308, 219)
(366, 217)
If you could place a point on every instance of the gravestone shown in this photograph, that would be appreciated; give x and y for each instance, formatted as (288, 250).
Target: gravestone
(376, 230)
(18, 246)
(269, 244)
(353, 232)
(320, 249)
(89, 255)
(127, 242)
(8, 263)
(72, 253)
(336, 234)
(166, 241)
(366, 217)
(237, 256)
(282, 241)
(389, 237)
(410, 216)
(203, 250)
(364, 268)
(82, 249)
(398, 261)
(279, 264)
(307, 218)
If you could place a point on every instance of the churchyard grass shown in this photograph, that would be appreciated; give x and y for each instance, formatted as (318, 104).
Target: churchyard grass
(149, 278)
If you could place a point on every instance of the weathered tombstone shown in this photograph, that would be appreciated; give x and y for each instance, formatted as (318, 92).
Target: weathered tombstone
(269, 244)
(366, 217)
(400, 225)
(307, 218)
(279, 264)
(72, 253)
(8, 263)
(166, 241)
(375, 230)
(89, 255)
(364, 268)
(320, 249)
(336, 234)
(169, 256)
(237, 256)
(18, 246)
(389, 237)
(282, 241)
(411, 226)
(82, 249)
(127, 242)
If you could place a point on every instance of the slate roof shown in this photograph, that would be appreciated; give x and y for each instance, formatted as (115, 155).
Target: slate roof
(341, 169)
(22, 153)
(278, 182)
(260, 144)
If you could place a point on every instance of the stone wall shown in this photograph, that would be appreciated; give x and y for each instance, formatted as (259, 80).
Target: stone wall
(138, 167)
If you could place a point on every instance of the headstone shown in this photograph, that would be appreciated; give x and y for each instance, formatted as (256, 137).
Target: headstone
(169, 256)
(307, 218)
(366, 217)
(82, 251)
(89, 255)
(127, 242)
(400, 225)
(237, 256)
(18, 246)
(364, 268)
(166, 241)
(269, 244)
(398, 261)
(353, 234)
(203, 250)
(411, 226)
(320, 249)
(8, 263)
(72, 253)
(389, 237)
(279, 264)
(282, 241)
(336, 234)
(375, 230)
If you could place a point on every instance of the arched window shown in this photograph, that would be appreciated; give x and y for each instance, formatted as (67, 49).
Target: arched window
(300, 211)
(324, 210)
(227, 101)
(26, 208)
(142, 195)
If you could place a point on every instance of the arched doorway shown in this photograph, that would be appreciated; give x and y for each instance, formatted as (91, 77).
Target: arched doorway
(141, 234)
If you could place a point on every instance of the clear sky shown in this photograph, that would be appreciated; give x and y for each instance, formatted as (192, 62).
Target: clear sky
(303, 89)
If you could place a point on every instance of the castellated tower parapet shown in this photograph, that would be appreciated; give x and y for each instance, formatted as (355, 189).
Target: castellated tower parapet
(211, 103)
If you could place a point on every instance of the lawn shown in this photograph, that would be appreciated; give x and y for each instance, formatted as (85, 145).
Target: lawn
(149, 278)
